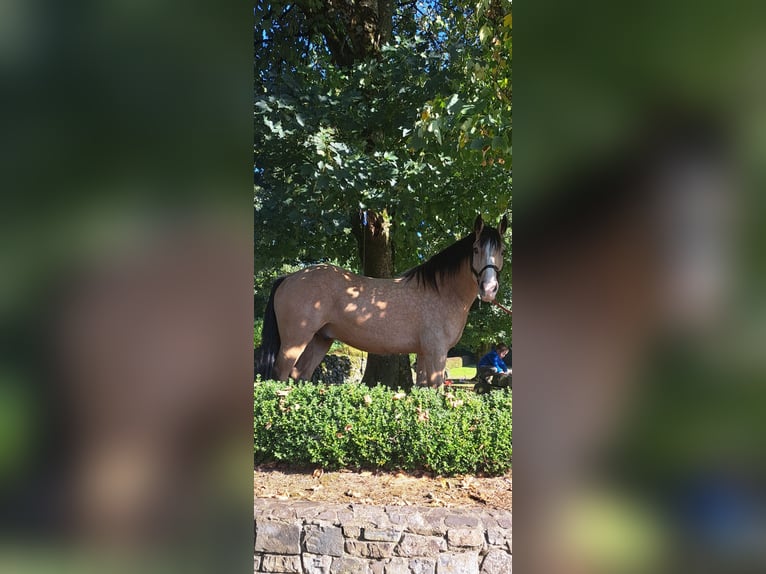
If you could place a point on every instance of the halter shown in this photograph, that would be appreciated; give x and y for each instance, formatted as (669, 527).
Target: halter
(483, 269)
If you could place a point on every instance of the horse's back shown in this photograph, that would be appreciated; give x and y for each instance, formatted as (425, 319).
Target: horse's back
(318, 281)
(312, 293)
(376, 315)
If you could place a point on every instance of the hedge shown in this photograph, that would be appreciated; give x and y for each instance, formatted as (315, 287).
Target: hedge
(354, 426)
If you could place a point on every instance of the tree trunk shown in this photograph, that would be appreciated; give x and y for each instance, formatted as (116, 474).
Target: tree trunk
(354, 30)
(376, 255)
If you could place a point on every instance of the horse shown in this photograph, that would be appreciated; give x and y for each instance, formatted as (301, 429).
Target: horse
(423, 311)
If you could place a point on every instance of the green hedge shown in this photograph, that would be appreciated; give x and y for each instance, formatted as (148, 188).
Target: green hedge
(354, 426)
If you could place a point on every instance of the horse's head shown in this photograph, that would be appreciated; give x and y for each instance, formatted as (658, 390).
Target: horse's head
(487, 257)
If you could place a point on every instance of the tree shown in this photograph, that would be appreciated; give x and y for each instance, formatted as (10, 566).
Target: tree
(410, 133)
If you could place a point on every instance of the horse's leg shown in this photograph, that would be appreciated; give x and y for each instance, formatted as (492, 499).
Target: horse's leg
(312, 356)
(289, 353)
(431, 369)
(420, 371)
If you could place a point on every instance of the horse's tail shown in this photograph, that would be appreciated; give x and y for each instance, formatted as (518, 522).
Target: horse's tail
(270, 340)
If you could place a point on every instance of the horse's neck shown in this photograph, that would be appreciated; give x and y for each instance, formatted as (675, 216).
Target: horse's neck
(462, 287)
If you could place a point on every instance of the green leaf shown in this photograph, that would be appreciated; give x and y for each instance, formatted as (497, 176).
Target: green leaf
(484, 33)
(453, 101)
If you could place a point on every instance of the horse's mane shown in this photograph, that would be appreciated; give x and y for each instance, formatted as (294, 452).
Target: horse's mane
(448, 261)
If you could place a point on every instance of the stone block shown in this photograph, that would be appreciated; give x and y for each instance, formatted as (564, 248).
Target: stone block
(397, 516)
(461, 521)
(498, 536)
(349, 565)
(497, 562)
(377, 535)
(284, 512)
(463, 563)
(375, 550)
(352, 530)
(324, 540)
(415, 545)
(282, 564)
(345, 516)
(381, 521)
(422, 565)
(465, 538)
(277, 537)
(328, 515)
(313, 564)
(397, 566)
(505, 521)
(416, 523)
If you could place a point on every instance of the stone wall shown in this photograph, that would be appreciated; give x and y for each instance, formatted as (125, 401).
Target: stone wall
(315, 538)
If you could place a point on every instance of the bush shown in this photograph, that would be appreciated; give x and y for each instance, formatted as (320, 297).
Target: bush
(354, 426)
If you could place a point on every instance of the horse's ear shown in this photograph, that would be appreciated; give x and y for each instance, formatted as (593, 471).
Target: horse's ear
(478, 225)
(503, 225)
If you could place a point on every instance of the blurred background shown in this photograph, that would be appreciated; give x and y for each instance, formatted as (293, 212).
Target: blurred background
(639, 287)
(125, 292)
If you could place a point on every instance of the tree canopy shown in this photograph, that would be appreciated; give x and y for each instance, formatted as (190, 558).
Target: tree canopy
(411, 122)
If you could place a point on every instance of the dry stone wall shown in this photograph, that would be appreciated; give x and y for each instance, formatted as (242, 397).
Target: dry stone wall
(297, 537)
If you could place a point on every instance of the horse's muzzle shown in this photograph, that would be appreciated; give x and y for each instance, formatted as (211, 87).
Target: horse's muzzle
(488, 291)
(488, 286)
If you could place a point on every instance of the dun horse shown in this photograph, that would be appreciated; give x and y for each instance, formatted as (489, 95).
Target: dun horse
(424, 311)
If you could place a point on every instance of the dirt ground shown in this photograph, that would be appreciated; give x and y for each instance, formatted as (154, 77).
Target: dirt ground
(382, 488)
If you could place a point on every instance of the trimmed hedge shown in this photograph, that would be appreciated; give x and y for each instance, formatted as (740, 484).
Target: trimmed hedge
(354, 426)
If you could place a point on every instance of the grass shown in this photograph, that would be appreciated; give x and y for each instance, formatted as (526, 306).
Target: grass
(462, 373)
(340, 348)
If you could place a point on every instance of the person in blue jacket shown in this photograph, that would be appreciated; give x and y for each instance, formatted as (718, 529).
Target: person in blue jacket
(493, 368)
